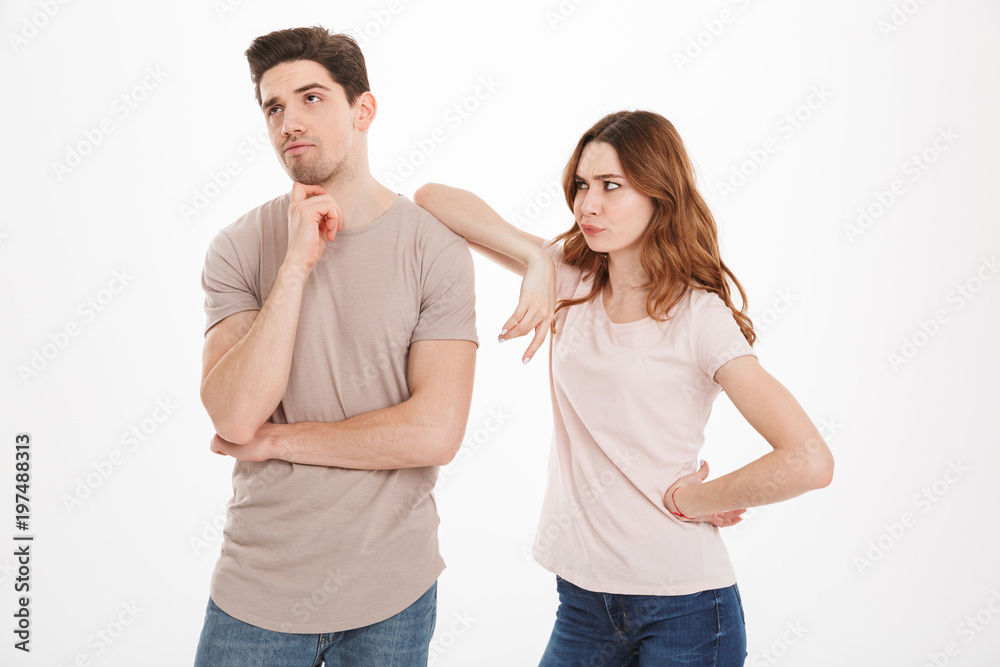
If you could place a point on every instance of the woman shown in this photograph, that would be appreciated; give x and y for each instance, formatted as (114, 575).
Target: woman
(645, 336)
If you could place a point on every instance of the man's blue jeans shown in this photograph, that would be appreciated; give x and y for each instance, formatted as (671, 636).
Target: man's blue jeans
(706, 629)
(399, 641)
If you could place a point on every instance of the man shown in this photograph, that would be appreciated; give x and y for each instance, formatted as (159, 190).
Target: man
(338, 369)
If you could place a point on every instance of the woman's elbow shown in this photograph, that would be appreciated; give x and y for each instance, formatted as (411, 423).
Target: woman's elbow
(820, 466)
(425, 194)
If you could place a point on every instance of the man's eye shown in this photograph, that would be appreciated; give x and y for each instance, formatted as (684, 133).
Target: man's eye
(270, 112)
(311, 95)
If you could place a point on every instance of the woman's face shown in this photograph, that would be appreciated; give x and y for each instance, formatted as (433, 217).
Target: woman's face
(610, 212)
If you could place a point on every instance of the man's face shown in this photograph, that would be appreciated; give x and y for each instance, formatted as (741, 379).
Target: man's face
(311, 124)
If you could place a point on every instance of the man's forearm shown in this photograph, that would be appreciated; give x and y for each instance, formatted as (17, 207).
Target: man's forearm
(387, 439)
(246, 385)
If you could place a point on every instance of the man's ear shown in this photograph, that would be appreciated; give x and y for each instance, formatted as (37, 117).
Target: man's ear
(365, 109)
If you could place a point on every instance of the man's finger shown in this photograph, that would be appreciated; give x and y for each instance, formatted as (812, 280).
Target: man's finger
(298, 192)
(307, 190)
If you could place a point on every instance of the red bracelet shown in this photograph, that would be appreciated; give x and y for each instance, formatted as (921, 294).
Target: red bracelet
(678, 512)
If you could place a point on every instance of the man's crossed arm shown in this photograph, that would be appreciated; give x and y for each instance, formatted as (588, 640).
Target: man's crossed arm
(424, 430)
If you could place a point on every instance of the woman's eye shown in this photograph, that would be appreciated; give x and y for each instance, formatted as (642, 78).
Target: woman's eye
(608, 185)
(580, 185)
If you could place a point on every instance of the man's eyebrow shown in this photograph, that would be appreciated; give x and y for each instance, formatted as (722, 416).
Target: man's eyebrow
(297, 91)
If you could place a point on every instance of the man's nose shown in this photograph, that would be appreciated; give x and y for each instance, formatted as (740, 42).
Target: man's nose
(292, 123)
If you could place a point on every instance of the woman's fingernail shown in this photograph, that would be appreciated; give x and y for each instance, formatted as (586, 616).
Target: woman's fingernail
(701, 463)
(525, 360)
(503, 332)
(501, 339)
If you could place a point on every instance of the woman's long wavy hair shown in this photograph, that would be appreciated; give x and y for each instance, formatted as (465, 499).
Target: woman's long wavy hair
(680, 247)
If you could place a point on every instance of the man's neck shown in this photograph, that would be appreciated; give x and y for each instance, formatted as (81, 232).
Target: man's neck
(361, 201)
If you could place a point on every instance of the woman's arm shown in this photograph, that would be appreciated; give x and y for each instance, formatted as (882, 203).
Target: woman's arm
(800, 462)
(471, 218)
(486, 232)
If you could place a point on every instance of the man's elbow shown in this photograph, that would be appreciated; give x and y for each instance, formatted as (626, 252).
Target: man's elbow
(823, 471)
(446, 441)
(235, 433)
(228, 427)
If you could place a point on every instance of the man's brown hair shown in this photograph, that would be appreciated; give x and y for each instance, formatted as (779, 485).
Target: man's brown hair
(338, 53)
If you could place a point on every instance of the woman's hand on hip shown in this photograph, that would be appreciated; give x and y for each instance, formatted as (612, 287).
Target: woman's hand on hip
(673, 499)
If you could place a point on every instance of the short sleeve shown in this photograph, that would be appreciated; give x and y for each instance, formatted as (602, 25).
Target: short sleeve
(715, 336)
(226, 281)
(448, 296)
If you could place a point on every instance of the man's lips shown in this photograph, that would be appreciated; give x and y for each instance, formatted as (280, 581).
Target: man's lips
(297, 147)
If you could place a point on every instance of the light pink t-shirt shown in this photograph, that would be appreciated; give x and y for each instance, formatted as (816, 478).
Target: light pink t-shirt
(630, 403)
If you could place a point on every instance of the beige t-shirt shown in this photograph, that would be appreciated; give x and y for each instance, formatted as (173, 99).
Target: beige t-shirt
(630, 403)
(312, 549)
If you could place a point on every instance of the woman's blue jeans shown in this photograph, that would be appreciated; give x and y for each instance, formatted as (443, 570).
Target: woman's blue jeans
(706, 629)
(399, 641)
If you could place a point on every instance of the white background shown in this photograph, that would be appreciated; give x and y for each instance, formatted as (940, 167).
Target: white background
(832, 301)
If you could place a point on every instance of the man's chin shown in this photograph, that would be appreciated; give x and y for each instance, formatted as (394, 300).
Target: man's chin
(307, 177)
